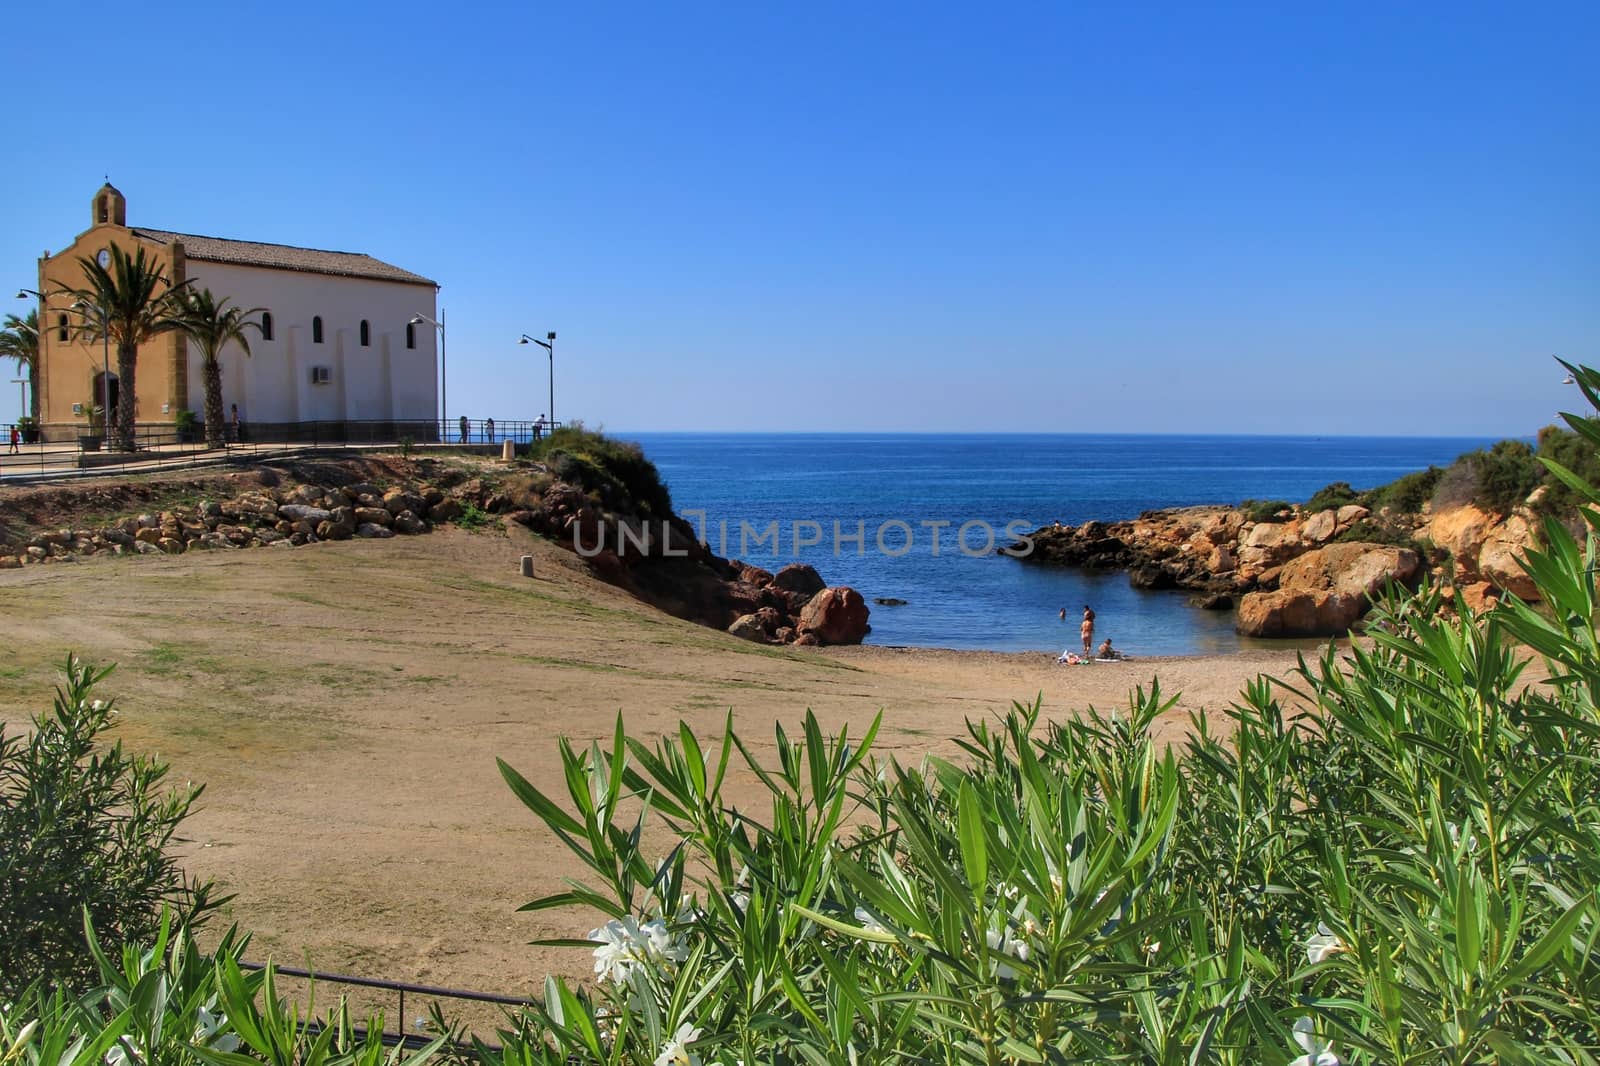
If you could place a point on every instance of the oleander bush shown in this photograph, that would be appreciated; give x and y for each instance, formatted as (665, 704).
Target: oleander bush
(84, 826)
(1392, 856)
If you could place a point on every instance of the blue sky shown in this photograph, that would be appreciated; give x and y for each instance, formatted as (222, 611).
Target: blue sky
(1358, 218)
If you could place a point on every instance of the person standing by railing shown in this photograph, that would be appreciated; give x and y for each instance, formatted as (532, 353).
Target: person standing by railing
(488, 427)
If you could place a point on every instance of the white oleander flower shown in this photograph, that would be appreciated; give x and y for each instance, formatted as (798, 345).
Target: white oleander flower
(625, 946)
(1317, 1053)
(1323, 945)
(205, 1032)
(1000, 940)
(868, 922)
(675, 1052)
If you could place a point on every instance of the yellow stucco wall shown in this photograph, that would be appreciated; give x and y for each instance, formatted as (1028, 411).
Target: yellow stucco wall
(68, 369)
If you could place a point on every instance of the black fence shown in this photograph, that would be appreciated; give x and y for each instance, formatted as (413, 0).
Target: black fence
(413, 1035)
(156, 447)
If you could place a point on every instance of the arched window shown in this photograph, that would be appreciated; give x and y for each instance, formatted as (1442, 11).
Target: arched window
(366, 333)
(62, 329)
(316, 330)
(266, 325)
(411, 335)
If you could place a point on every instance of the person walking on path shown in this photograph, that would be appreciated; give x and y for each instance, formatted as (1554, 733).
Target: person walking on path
(466, 428)
(238, 429)
(16, 438)
(1086, 630)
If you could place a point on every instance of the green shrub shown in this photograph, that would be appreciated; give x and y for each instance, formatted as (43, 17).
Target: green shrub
(1504, 475)
(472, 517)
(1376, 531)
(83, 831)
(617, 470)
(1332, 497)
(1264, 510)
(1405, 494)
(1575, 453)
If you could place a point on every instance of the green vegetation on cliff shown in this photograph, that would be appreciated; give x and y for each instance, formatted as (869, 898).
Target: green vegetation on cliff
(616, 471)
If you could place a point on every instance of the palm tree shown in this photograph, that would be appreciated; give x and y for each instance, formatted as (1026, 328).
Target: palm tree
(19, 340)
(137, 302)
(211, 324)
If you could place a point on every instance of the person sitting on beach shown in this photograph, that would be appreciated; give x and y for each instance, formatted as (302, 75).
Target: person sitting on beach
(1106, 651)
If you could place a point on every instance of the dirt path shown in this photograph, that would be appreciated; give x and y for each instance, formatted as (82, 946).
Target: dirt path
(344, 704)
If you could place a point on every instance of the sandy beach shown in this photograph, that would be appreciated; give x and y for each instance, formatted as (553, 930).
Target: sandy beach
(344, 705)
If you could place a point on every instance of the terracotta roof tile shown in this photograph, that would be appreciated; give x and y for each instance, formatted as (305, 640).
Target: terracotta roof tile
(284, 257)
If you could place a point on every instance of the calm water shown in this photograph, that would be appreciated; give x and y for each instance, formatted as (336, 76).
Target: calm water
(958, 601)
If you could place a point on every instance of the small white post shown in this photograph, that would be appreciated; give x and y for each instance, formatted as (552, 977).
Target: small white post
(527, 566)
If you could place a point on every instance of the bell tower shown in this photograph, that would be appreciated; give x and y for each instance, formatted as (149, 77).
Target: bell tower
(109, 206)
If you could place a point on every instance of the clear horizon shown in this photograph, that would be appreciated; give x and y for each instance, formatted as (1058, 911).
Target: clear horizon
(1243, 221)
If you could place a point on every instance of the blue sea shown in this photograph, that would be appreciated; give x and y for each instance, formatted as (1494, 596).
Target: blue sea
(896, 483)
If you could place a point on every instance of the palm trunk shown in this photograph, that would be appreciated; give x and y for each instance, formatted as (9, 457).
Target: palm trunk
(127, 398)
(215, 427)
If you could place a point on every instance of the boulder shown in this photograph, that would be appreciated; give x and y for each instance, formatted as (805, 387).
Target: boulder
(170, 545)
(303, 512)
(1350, 514)
(1321, 526)
(407, 522)
(755, 575)
(835, 615)
(798, 577)
(376, 515)
(1498, 558)
(365, 529)
(398, 500)
(446, 510)
(784, 635)
(1325, 591)
(748, 627)
(806, 640)
(1480, 596)
(1356, 569)
(1269, 544)
(1298, 613)
(1461, 531)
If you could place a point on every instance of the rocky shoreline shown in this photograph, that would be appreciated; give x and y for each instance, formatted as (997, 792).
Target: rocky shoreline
(304, 504)
(1295, 573)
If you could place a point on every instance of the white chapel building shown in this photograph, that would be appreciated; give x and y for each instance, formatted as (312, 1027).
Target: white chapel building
(337, 346)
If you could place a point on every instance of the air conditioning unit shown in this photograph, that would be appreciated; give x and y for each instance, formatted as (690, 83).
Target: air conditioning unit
(321, 375)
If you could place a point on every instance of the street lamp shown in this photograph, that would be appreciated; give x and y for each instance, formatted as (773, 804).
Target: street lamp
(38, 347)
(105, 360)
(550, 347)
(444, 385)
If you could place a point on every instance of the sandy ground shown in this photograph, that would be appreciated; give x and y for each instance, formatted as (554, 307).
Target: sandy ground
(344, 705)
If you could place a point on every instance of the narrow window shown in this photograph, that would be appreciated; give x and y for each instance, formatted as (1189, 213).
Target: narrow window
(411, 335)
(266, 325)
(316, 330)
(61, 328)
(366, 333)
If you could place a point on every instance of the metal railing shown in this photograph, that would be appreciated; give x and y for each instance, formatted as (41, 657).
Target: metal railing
(400, 988)
(156, 447)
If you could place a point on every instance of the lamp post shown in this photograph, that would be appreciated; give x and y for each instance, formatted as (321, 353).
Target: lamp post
(444, 383)
(105, 361)
(550, 347)
(38, 349)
